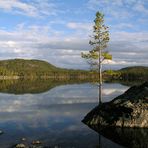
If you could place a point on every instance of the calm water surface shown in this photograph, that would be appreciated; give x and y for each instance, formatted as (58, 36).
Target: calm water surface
(54, 116)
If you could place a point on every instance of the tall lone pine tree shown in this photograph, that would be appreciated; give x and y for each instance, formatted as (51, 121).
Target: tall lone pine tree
(97, 54)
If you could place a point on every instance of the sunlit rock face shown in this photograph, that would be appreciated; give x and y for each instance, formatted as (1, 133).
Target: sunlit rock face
(127, 110)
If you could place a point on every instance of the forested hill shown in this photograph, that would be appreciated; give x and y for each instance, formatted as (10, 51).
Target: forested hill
(135, 69)
(130, 73)
(17, 65)
(36, 68)
(139, 72)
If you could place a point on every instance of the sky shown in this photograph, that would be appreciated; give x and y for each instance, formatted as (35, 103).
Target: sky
(59, 30)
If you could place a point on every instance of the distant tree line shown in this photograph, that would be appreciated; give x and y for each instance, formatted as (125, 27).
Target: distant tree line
(33, 69)
(129, 73)
(40, 69)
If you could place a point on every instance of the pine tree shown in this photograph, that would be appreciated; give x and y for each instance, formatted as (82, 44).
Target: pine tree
(98, 54)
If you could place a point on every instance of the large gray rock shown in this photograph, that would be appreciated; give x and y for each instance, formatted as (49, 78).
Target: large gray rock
(127, 110)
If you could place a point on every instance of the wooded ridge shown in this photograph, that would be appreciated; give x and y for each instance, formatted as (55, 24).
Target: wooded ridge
(22, 68)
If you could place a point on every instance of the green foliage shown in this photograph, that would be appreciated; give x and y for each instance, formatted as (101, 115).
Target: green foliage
(110, 72)
(107, 56)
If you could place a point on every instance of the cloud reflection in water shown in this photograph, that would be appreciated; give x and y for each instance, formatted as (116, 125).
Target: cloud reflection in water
(55, 114)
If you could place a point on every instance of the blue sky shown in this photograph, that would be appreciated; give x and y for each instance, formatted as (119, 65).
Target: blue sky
(58, 30)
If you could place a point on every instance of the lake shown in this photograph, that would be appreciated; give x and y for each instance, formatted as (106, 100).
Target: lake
(52, 113)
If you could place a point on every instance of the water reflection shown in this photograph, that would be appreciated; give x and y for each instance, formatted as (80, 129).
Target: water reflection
(128, 137)
(33, 86)
(65, 94)
(53, 116)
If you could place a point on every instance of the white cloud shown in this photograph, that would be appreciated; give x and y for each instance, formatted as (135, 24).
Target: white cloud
(11, 43)
(119, 9)
(33, 9)
(122, 26)
(112, 8)
(129, 36)
(140, 7)
(110, 91)
(84, 26)
(118, 62)
(46, 43)
(41, 42)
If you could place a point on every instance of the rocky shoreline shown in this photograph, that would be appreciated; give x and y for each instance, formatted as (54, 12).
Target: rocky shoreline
(127, 110)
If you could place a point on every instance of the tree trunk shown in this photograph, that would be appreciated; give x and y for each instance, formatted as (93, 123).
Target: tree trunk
(100, 141)
(100, 78)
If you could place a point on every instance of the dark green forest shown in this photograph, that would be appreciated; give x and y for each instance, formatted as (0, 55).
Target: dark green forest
(39, 69)
(129, 73)
(20, 68)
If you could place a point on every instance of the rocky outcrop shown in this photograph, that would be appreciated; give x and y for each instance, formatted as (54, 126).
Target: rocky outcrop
(127, 110)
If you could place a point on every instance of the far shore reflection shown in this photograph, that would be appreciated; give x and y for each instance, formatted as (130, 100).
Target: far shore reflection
(34, 86)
